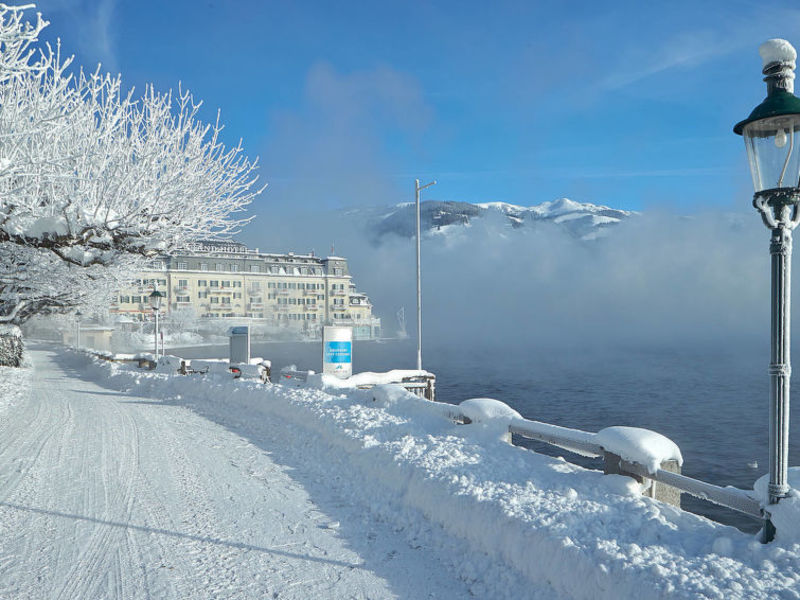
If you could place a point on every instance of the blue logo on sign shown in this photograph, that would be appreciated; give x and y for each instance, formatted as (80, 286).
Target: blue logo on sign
(338, 352)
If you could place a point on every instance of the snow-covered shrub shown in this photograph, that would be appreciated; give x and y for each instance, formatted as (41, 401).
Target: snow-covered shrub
(10, 346)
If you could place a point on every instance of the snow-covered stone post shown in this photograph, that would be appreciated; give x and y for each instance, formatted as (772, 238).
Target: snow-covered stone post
(771, 133)
(637, 453)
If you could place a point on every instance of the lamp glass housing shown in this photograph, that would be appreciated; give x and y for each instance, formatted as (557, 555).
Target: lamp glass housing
(155, 300)
(773, 150)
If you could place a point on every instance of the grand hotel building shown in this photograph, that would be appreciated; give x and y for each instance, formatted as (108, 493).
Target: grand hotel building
(227, 280)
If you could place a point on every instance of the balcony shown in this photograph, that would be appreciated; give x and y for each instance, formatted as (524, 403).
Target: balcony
(255, 305)
(311, 292)
(338, 293)
(310, 307)
(282, 292)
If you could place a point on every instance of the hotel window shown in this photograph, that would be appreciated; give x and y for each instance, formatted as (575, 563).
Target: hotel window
(202, 294)
(204, 266)
(237, 294)
(125, 299)
(237, 284)
(226, 284)
(226, 300)
(271, 284)
(273, 269)
(213, 283)
(183, 299)
(182, 266)
(183, 282)
(218, 266)
(214, 300)
(292, 286)
(255, 269)
(234, 267)
(201, 283)
(162, 282)
(136, 299)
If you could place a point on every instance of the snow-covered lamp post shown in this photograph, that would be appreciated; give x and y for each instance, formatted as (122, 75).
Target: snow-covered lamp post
(155, 303)
(78, 328)
(772, 138)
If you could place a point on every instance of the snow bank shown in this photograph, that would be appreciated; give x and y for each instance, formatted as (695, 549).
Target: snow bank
(15, 382)
(641, 446)
(512, 523)
(168, 363)
(212, 366)
(785, 514)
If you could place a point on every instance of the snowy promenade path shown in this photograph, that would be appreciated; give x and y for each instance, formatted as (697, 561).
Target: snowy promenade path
(108, 495)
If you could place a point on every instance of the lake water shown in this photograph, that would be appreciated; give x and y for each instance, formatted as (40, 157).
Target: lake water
(711, 399)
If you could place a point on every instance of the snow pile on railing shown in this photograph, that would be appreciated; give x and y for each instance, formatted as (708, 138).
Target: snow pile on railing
(324, 381)
(641, 446)
(498, 514)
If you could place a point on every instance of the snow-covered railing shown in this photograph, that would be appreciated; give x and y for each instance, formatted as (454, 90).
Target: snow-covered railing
(640, 453)
(731, 497)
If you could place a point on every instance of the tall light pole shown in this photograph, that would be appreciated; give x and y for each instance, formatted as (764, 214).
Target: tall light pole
(155, 303)
(417, 190)
(772, 138)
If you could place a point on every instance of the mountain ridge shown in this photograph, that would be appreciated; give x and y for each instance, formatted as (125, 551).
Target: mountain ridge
(581, 219)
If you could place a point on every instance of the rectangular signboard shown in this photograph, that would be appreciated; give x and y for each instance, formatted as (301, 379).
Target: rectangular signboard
(337, 351)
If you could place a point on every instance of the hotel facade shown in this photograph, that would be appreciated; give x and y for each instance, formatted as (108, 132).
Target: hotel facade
(227, 280)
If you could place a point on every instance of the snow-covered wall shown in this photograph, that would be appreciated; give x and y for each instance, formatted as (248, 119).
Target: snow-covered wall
(566, 531)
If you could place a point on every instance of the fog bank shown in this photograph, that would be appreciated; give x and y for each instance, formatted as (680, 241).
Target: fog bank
(655, 278)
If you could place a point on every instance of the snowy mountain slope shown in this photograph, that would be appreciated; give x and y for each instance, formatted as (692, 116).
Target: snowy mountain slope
(582, 220)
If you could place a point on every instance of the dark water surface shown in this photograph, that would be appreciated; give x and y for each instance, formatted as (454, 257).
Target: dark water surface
(710, 398)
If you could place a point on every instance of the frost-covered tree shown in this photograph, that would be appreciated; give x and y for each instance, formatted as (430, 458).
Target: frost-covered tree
(91, 175)
(36, 282)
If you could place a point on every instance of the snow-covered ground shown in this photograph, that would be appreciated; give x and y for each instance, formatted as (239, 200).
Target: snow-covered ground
(199, 486)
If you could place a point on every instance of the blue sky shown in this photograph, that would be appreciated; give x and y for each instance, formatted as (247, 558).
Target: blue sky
(629, 104)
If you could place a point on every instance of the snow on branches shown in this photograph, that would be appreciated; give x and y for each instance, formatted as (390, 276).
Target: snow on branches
(90, 174)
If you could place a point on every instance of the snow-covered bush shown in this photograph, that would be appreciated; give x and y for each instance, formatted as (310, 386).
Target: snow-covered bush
(11, 348)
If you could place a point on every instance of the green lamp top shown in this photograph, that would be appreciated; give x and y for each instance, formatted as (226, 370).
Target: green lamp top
(779, 63)
(776, 104)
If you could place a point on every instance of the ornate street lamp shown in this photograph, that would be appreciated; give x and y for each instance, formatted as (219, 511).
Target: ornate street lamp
(772, 138)
(155, 303)
(78, 315)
